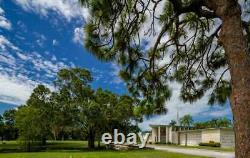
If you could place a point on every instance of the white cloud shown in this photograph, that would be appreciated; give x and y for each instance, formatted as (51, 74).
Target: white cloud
(18, 91)
(78, 35)
(41, 39)
(21, 71)
(4, 22)
(66, 8)
(55, 42)
(4, 43)
(221, 113)
(115, 74)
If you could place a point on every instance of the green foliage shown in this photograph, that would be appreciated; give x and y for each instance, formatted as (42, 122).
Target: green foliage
(220, 93)
(186, 121)
(214, 123)
(155, 46)
(8, 131)
(210, 144)
(172, 123)
(73, 108)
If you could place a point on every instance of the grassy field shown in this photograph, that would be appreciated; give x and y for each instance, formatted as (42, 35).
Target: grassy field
(97, 154)
(77, 149)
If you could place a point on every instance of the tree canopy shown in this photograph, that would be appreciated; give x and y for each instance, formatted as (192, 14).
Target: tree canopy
(73, 107)
(155, 42)
(192, 42)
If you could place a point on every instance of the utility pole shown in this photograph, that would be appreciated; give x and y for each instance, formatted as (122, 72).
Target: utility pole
(177, 117)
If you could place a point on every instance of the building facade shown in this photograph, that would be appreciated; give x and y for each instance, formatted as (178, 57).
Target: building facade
(191, 137)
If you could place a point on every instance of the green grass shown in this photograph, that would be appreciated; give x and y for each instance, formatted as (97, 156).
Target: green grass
(77, 149)
(100, 154)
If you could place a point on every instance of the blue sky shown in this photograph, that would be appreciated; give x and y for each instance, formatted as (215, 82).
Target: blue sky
(39, 37)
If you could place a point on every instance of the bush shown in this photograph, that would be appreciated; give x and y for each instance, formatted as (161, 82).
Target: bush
(211, 144)
(160, 143)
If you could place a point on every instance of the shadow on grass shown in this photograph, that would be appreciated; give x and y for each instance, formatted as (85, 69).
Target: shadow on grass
(55, 146)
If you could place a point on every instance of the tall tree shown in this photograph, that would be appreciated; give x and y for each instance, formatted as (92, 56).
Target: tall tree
(27, 119)
(186, 121)
(193, 42)
(40, 100)
(10, 131)
(1, 127)
(75, 83)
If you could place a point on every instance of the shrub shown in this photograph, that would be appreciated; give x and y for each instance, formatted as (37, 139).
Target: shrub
(211, 144)
(160, 143)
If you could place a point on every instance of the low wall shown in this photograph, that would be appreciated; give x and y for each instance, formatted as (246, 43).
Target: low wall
(227, 138)
(193, 138)
(210, 135)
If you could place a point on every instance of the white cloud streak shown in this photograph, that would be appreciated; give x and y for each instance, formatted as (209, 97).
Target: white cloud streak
(199, 108)
(78, 35)
(4, 22)
(66, 8)
(20, 72)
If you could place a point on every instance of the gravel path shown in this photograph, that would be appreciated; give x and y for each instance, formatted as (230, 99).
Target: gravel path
(198, 152)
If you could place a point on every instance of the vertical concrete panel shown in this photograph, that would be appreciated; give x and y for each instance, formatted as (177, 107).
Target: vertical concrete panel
(210, 135)
(227, 138)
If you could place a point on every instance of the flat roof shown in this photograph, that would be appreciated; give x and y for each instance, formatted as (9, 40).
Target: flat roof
(159, 125)
(206, 129)
(223, 128)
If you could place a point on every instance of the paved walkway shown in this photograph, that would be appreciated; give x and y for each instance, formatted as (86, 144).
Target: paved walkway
(198, 152)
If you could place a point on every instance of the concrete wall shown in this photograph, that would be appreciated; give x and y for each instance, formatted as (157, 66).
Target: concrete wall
(175, 137)
(210, 135)
(227, 138)
(193, 138)
(154, 135)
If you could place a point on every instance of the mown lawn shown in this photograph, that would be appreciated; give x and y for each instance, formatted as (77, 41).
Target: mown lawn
(77, 149)
(98, 154)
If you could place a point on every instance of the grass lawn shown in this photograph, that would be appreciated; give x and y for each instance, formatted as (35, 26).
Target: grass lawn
(77, 149)
(98, 154)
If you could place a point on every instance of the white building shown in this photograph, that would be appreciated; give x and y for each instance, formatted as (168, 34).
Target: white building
(192, 137)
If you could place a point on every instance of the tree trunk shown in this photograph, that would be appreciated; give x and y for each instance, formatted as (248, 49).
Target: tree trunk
(44, 141)
(238, 58)
(91, 139)
(99, 143)
(186, 139)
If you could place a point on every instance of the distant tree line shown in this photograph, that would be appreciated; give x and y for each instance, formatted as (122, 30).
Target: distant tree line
(187, 122)
(8, 131)
(73, 110)
(214, 123)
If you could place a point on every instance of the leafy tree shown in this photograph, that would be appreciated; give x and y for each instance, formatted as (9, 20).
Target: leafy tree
(224, 122)
(10, 131)
(40, 100)
(117, 112)
(62, 114)
(74, 106)
(193, 42)
(75, 83)
(214, 123)
(96, 111)
(27, 119)
(200, 125)
(172, 123)
(1, 127)
(186, 121)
